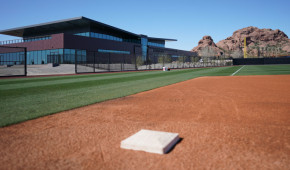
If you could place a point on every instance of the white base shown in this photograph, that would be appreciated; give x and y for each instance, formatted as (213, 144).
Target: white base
(151, 141)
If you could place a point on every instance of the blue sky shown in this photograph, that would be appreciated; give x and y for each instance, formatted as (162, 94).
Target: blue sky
(185, 20)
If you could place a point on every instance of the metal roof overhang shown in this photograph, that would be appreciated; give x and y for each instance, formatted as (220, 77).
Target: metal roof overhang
(70, 23)
(61, 25)
(161, 39)
(44, 27)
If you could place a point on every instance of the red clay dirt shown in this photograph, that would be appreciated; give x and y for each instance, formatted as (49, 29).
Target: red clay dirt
(239, 122)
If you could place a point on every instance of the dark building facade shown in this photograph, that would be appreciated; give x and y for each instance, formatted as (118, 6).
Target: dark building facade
(79, 36)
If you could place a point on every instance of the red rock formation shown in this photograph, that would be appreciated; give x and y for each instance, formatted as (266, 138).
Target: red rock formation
(207, 41)
(260, 42)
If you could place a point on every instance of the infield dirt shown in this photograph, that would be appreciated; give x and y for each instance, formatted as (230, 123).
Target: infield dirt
(238, 122)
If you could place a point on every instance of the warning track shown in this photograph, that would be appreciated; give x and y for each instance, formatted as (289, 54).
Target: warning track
(235, 122)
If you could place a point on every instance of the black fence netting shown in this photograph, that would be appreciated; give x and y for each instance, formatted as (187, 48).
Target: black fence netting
(13, 61)
(105, 62)
(261, 61)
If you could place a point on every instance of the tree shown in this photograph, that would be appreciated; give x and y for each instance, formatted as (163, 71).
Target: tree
(139, 61)
(181, 59)
(207, 51)
(164, 58)
(237, 54)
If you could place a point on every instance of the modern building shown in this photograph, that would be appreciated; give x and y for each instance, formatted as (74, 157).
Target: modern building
(85, 42)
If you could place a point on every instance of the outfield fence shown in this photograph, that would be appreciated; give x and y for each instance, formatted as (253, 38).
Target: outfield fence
(261, 61)
(104, 62)
(13, 61)
(107, 62)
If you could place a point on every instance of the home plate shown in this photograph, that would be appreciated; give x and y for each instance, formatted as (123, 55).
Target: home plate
(151, 141)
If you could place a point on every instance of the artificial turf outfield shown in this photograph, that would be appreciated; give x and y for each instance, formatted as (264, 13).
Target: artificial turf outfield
(27, 98)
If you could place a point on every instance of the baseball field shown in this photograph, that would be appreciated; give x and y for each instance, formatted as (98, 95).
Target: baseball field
(228, 118)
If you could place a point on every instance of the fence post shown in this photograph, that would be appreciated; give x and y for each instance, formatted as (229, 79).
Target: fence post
(183, 61)
(25, 61)
(135, 62)
(163, 60)
(94, 53)
(122, 63)
(76, 60)
(109, 61)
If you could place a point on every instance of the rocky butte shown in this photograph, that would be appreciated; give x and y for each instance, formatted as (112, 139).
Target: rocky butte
(260, 43)
(206, 47)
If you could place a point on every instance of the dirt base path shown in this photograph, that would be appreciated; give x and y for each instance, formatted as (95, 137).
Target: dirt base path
(225, 122)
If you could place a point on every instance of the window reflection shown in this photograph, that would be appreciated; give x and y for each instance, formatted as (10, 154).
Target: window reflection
(113, 51)
(156, 44)
(107, 37)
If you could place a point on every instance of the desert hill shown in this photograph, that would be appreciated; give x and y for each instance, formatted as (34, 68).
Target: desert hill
(260, 43)
(207, 45)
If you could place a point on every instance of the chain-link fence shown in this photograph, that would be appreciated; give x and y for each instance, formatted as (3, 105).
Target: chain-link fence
(106, 62)
(159, 60)
(13, 61)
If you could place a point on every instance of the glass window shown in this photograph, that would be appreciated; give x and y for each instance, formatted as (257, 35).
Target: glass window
(28, 57)
(113, 51)
(46, 55)
(12, 56)
(66, 51)
(32, 57)
(144, 43)
(84, 52)
(35, 57)
(72, 51)
(16, 57)
(38, 57)
(43, 54)
(4, 58)
(60, 51)
(72, 55)
(7, 58)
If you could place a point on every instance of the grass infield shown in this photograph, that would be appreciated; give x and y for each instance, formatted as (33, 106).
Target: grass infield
(28, 98)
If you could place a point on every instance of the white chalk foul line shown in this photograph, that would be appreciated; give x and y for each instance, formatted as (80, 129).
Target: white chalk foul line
(237, 71)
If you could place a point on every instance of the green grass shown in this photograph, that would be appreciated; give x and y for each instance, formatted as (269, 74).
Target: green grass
(264, 70)
(28, 98)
